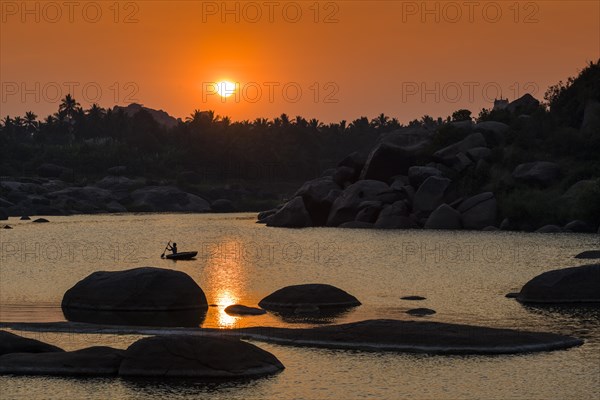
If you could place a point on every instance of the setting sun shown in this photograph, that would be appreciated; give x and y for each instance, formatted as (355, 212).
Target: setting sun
(226, 88)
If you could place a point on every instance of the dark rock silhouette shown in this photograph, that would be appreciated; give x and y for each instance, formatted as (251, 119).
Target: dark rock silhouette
(444, 217)
(431, 194)
(346, 205)
(568, 285)
(415, 337)
(197, 357)
(11, 343)
(541, 173)
(478, 211)
(290, 298)
(239, 309)
(139, 296)
(417, 174)
(421, 312)
(92, 361)
(292, 215)
(385, 161)
(318, 196)
(40, 220)
(413, 298)
(448, 154)
(588, 254)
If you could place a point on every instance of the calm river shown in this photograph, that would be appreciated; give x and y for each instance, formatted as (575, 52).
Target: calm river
(463, 275)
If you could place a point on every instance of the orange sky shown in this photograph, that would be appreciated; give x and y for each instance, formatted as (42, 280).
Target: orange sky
(370, 57)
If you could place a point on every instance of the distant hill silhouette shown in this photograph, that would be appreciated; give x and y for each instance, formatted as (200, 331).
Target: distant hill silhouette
(160, 116)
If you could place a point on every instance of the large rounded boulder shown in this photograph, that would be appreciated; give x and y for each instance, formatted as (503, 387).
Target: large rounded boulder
(202, 357)
(308, 296)
(139, 296)
(568, 285)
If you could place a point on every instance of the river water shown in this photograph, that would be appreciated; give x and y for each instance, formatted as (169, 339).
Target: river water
(464, 276)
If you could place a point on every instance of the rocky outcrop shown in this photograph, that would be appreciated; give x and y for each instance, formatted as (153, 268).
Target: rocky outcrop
(431, 194)
(448, 155)
(568, 285)
(92, 361)
(325, 297)
(542, 173)
(139, 296)
(478, 211)
(318, 196)
(417, 175)
(346, 205)
(197, 357)
(292, 215)
(395, 216)
(11, 343)
(444, 217)
(385, 161)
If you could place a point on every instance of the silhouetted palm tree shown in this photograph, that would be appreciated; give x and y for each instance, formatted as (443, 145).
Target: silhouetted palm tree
(68, 106)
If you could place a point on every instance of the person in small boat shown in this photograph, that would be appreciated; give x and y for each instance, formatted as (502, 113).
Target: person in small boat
(173, 248)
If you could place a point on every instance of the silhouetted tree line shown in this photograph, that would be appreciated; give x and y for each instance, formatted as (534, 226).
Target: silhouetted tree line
(90, 141)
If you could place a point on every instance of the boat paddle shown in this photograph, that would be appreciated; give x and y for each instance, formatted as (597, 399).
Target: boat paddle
(163, 253)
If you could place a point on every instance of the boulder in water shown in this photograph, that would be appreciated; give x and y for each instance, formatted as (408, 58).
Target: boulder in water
(239, 309)
(203, 357)
(323, 296)
(568, 285)
(588, 254)
(421, 312)
(139, 296)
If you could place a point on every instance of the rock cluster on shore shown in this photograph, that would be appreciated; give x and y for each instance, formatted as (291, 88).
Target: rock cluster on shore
(414, 178)
(52, 193)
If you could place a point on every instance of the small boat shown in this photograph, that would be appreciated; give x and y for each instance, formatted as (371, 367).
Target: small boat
(184, 255)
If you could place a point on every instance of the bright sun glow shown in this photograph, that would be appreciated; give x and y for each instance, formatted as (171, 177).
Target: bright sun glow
(225, 88)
